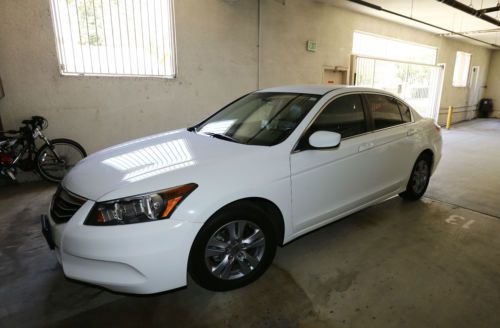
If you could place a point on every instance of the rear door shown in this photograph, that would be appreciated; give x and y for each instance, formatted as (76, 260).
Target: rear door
(393, 141)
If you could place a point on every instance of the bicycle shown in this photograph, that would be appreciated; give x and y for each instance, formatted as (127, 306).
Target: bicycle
(52, 160)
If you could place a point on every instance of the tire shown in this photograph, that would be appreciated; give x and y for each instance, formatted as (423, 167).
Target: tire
(220, 262)
(44, 167)
(419, 179)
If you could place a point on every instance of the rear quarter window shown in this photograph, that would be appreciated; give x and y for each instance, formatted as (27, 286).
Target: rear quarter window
(405, 112)
(385, 111)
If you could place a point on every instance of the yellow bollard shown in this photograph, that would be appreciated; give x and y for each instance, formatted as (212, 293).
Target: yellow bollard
(450, 117)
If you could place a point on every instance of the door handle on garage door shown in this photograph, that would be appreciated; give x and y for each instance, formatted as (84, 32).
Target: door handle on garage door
(366, 146)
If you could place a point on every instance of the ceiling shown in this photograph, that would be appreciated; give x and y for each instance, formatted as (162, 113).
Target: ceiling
(436, 13)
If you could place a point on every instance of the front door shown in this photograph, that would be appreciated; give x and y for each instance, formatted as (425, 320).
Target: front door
(326, 183)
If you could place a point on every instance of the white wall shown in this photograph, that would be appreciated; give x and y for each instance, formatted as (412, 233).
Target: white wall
(217, 61)
(286, 29)
(493, 90)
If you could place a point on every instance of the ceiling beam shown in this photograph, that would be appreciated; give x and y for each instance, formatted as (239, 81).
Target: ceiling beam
(494, 30)
(490, 10)
(471, 11)
(379, 8)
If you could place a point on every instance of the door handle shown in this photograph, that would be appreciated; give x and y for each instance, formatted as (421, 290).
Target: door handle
(366, 146)
(411, 131)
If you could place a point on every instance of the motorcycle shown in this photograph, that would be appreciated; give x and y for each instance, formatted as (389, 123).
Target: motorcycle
(52, 160)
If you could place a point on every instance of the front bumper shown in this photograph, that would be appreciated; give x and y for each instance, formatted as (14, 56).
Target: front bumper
(139, 258)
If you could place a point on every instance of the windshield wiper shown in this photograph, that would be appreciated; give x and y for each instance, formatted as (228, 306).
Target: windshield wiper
(221, 136)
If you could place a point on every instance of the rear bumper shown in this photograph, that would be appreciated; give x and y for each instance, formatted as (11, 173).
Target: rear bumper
(140, 258)
(437, 148)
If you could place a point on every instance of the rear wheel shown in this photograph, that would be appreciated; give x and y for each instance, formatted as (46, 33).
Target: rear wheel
(233, 249)
(419, 179)
(54, 163)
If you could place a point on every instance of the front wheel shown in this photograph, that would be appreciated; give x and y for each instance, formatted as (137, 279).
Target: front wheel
(234, 248)
(54, 162)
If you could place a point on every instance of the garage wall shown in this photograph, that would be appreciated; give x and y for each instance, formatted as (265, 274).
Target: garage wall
(458, 97)
(287, 27)
(99, 112)
(493, 90)
(217, 61)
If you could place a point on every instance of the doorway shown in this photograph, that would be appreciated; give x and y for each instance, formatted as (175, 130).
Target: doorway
(473, 93)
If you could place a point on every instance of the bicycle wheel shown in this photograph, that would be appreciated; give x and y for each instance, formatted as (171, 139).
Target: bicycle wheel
(53, 168)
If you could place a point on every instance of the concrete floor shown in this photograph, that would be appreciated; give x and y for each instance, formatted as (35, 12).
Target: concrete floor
(397, 264)
(469, 174)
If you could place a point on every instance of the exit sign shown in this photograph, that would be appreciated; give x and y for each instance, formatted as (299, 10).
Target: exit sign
(311, 45)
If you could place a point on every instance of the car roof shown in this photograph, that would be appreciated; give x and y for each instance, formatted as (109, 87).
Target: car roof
(319, 89)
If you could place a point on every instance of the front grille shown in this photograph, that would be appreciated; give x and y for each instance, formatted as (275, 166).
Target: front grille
(64, 205)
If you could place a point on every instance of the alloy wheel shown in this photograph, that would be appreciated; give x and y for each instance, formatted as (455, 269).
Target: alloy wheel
(235, 250)
(420, 176)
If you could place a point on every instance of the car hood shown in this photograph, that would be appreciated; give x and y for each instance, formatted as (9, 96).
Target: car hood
(154, 163)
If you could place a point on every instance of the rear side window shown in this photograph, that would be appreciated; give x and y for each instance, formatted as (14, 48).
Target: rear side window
(405, 112)
(385, 111)
(344, 115)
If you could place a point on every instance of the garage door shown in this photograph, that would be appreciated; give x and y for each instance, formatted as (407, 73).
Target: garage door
(419, 85)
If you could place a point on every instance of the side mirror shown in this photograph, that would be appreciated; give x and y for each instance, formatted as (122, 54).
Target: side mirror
(324, 139)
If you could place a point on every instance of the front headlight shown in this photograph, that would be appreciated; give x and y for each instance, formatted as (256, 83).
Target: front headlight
(142, 208)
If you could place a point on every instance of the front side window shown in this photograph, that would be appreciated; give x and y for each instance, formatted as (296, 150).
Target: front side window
(115, 37)
(261, 118)
(385, 111)
(344, 115)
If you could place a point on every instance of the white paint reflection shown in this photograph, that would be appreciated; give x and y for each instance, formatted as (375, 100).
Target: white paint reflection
(155, 170)
(153, 160)
(220, 127)
(139, 140)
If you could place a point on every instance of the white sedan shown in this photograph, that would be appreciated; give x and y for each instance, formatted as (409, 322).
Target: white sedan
(214, 200)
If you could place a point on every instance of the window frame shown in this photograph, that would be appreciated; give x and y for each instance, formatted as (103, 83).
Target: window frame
(373, 128)
(302, 142)
(465, 83)
(383, 38)
(60, 52)
(400, 103)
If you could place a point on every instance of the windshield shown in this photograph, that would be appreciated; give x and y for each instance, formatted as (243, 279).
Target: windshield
(261, 118)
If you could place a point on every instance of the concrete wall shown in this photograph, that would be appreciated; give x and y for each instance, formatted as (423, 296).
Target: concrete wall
(286, 29)
(493, 90)
(217, 58)
(217, 61)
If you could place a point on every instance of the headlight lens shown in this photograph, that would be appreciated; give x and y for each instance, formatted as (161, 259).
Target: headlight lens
(142, 208)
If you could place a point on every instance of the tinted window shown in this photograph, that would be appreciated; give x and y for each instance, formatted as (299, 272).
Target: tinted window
(405, 112)
(343, 115)
(385, 111)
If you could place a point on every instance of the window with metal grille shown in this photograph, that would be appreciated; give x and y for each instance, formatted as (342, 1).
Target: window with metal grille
(461, 71)
(115, 37)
